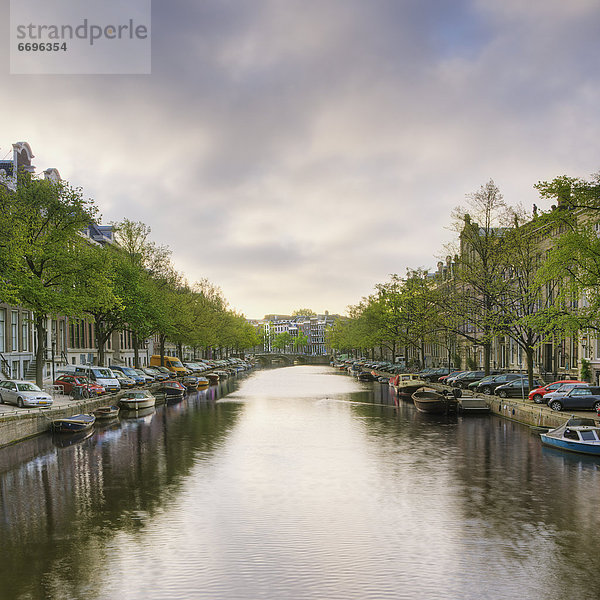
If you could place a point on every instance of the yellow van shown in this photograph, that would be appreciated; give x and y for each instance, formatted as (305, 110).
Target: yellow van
(171, 362)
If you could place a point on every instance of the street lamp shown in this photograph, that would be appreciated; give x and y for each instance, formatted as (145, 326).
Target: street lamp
(53, 348)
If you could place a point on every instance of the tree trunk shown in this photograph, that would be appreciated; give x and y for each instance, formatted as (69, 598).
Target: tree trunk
(162, 339)
(40, 351)
(136, 350)
(529, 356)
(487, 346)
(100, 341)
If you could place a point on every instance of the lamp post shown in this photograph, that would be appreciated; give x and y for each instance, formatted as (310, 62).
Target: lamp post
(53, 348)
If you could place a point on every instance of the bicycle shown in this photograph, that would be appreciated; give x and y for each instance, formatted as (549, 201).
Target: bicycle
(79, 393)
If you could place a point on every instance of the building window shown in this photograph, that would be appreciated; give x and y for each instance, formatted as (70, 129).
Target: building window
(14, 330)
(25, 332)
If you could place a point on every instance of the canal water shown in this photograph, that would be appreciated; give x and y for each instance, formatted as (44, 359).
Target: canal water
(297, 483)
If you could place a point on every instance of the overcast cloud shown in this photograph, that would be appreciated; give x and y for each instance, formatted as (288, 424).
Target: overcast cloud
(295, 153)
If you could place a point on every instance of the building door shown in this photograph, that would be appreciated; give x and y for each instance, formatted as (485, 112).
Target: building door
(548, 355)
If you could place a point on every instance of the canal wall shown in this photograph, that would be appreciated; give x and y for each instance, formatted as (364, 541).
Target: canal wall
(25, 423)
(518, 410)
(522, 411)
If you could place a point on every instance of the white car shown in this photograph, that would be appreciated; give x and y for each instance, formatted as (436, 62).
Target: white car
(23, 394)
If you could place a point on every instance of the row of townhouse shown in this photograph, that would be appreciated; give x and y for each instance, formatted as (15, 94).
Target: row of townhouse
(554, 358)
(314, 328)
(69, 341)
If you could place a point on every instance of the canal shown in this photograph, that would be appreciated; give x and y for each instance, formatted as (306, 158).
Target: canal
(297, 483)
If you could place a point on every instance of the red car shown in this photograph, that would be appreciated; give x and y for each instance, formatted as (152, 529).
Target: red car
(537, 394)
(444, 378)
(68, 382)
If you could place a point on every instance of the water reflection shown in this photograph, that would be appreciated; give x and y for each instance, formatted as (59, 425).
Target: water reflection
(65, 502)
(297, 483)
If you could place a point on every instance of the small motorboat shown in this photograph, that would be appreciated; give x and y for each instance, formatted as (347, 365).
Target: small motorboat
(203, 383)
(137, 399)
(365, 376)
(406, 384)
(428, 400)
(213, 377)
(73, 424)
(173, 389)
(190, 382)
(580, 435)
(106, 412)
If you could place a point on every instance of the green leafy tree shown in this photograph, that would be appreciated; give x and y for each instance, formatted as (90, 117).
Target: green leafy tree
(283, 340)
(43, 251)
(300, 341)
(471, 308)
(304, 312)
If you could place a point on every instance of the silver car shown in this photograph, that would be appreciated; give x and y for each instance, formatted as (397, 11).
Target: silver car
(23, 393)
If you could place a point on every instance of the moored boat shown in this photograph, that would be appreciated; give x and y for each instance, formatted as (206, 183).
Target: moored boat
(365, 376)
(73, 424)
(579, 435)
(137, 400)
(203, 383)
(106, 412)
(190, 382)
(173, 389)
(406, 384)
(473, 406)
(428, 400)
(213, 377)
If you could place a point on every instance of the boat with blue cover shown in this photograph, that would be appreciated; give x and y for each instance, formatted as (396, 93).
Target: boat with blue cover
(579, 435)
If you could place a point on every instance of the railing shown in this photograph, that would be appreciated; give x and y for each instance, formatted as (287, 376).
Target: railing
(5, 367)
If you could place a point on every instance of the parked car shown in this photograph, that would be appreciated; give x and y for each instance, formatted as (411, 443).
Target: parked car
(125, 382)
(147, 378)
(537, 394)
(195, 367)
(452, 379)
(168, 374)
(519, 388)
(567, 387)
(445, 378)
(158, 375)
(68, 382)
(488, 384)
(435, 374)
(578, 398)
(23, 394)
(101, 375)
(464, 379)
(129, 372)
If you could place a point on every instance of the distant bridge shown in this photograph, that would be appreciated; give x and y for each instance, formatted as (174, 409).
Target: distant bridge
(269, 358)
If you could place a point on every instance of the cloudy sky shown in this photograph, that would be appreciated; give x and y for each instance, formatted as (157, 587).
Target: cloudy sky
(297, 152)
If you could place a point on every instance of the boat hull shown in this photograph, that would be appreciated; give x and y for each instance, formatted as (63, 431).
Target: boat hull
(137, 404)
(570, 446)
(106, 412)
(74, 424)
(432, 402)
